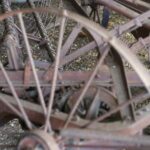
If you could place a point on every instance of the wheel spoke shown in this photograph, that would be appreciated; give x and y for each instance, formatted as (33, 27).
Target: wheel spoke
(79, 99)
(71, 38)
(26, 119)
(28, 48)
(55, 75)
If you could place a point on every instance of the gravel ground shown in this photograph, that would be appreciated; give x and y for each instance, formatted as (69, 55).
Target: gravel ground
(10, 134)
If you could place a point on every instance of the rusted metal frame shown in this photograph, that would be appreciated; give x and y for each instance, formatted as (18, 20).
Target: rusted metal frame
(120, 84)
(136, 8)
(102, 144)
(132, 25)
(124, 92)
(96, 95)
(34, 111)
(94, 27)
(11, 40)
(28, 48)
(79, 52)
(119, 79)
(128, 27)
(103, 138)
(72, 78)
(103, 78)
(139, 124)
(118, 8)
(142, 43)
(121, 9)
(91, 145)
(35, 114)
(43, 32)
(118, 46)
(137, 5)
(142, 120)
(86, 86)
(143, 31)
(70, 39)
(23, 113)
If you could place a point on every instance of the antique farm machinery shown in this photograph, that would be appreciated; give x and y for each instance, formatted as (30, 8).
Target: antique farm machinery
(73, 91)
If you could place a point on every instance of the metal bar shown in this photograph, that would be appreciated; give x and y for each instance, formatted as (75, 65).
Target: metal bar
(122, 90)
(56, 72)
(26, 119)
(103, 136)
(80, 98)
(32, 63)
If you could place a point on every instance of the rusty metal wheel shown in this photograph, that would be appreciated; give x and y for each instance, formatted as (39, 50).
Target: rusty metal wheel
(36, 91)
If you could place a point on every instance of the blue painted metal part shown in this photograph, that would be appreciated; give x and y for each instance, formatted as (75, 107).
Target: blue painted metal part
(105, 17)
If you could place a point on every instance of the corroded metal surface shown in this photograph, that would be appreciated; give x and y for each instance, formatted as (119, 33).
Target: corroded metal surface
(78, 109)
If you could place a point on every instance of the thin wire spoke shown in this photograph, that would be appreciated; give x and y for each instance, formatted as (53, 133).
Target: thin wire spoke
(26, 119)
(87, 85)
(56, 72)
(28, 48)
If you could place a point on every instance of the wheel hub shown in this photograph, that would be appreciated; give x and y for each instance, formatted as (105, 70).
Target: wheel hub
(37, 140)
